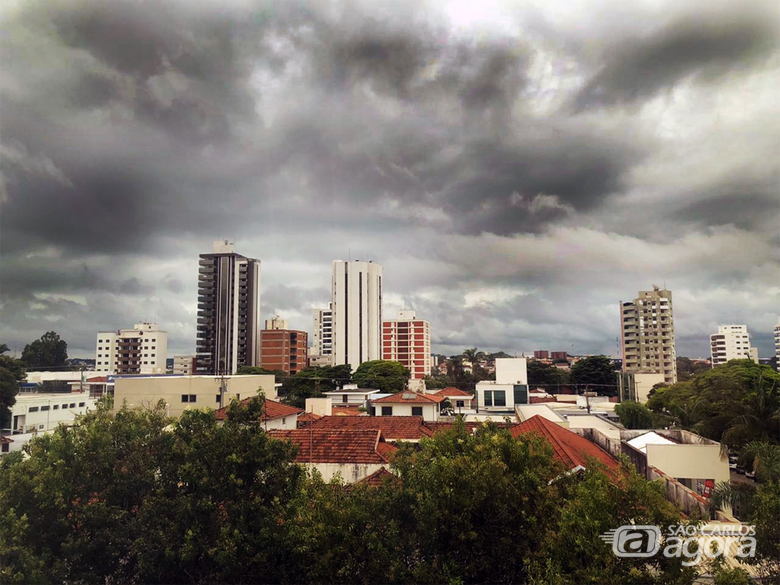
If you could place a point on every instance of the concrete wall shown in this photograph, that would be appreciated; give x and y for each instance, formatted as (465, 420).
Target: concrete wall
(320, 406)
(350, 472)
(147, 392)
(430, 411)
(285, 423)
(511, 371)
(48, 410)
(643, 383)
(689, 461)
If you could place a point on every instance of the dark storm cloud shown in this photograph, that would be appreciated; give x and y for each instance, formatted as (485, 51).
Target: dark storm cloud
(705, 44)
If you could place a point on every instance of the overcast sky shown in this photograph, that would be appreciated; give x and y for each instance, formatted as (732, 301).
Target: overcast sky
(517, 167)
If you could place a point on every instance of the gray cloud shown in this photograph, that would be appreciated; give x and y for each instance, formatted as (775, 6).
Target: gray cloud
(135, 133)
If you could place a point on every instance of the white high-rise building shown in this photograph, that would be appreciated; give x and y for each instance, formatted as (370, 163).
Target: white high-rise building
(647, 327)
(731, 342)
(357, 312)
(408, 340)
(322, 346)
(140, 350)
(777, 341)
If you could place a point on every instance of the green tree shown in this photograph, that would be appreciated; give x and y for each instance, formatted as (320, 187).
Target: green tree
(254, 371)
(597, 373)
(546, 376)
(312, 382)
(766, 519)
(763, 458)
(437, 382)
(11, 375)
(687, 368)
(384, 375)
(48, 352)
(634, 415)
(738, 495)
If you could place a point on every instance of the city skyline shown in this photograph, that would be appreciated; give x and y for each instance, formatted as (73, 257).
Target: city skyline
(516, 170)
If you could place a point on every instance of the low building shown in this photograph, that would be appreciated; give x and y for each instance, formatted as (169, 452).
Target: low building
(408, 404)
(275, 415)
(636, 386)
(183, 392)
(351, 455)
(319, 361)
(508, 390)
(96, 387)
(459, 399)
(351, 395)
(184, 365)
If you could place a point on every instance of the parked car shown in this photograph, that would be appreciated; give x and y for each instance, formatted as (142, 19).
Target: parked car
(739, 469)
(751, 475)
(732, 464)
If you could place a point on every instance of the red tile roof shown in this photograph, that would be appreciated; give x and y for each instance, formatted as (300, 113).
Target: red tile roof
(393, 428)
(308, 417)
(98, 380)
(347, 411)
(5, 440)
(570, 449)
(408, 397)
(434, 427)
(273, 409)
(452, 392)
(337, 446)
(378, 477)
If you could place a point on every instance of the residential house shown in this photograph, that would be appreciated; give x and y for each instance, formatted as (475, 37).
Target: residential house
(394, 428)
(275, 415)
(459, 400)
(408, 404)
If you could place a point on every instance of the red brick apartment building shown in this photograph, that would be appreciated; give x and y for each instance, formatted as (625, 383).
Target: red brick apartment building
(408, 340)
(284, 349)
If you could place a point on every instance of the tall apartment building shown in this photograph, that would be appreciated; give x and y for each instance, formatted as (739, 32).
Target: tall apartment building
(140, 350)
(228, 311)
(357, 312)
(184, 364)
(777, 342)
(284, 349)
(322, 346)
(731, 342)
(276, 323)
(647, 326)
(408, 340)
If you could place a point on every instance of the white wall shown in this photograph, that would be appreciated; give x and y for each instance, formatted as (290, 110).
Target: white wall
(286, 423)
(351, 316)
(47, 420)
(508, 388)
(430, 412)
(511, 371)
(350, 472)
(320, 406)
(683, 461)
(643, 383)
(147, 392)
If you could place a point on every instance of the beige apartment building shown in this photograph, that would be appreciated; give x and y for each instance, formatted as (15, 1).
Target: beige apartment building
(647, 327)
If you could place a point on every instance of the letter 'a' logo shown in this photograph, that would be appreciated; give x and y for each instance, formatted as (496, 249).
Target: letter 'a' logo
(634, 541)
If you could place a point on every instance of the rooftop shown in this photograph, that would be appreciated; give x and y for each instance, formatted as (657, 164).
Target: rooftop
(394, 428)
(570, 449)
(337, 446)
(408, 397)
(451, 391)
(273, 409)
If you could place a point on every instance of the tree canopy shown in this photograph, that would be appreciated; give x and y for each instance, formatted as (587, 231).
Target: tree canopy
(48, 352)
(634, 415)
(735, 403)
(596, 372)
(11, 374)
(384, 375)
(312, 382)
(547, 376)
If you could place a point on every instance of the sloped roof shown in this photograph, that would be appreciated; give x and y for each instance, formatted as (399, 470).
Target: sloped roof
(347, 411)
(273, 409)
(5, 440)
(98, 380)
(378, 477)
(337, 446)
(650, 438)
(451, 391)
(408, 397)
(570, 449)
(308, 417)
(393, 428)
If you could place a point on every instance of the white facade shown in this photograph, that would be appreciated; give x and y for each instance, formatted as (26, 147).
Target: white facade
(647, 327)
(777, 340)
(140, 350)
(322, 348)
(429, 412)
(42, 413)
(182, 364)
(351, 395)
(731, 342)
(408, 340)
(510, 388)
(357, 312)
(276, 323)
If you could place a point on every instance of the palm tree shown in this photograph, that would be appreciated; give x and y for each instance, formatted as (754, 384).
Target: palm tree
(764, 458)
(758, 418)
(739, 496)
(475, 356)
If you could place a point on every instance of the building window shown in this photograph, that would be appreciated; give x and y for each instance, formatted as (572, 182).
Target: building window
(344, 398)
(185, 397)
(460, 403)
(417, 411)
(495, 397)
(217, 398)
(32, 409)
(55, 407)
(5, 447)
(81, 404)
(73, 405)
(521, 394)
(64, 406)
(284, 421)
(44, 408)
(387, 411)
